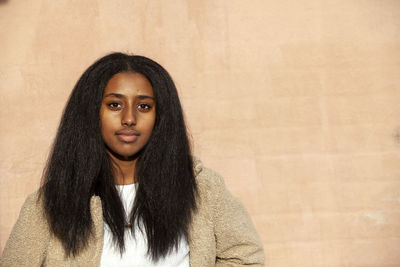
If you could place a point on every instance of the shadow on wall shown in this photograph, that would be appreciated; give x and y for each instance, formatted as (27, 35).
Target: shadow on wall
(3, 2)
(396, 136)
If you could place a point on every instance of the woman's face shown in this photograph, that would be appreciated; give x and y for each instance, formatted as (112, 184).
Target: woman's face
(127, 114)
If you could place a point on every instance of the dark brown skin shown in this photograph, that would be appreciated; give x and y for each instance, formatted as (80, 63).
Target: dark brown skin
(127, 116)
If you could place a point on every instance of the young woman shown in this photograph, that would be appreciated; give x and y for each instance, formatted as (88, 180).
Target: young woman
(121, 187)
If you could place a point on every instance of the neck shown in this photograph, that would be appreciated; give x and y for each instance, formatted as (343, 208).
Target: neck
(123, 170)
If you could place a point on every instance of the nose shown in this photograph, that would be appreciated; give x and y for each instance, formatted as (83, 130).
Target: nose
(128, 118)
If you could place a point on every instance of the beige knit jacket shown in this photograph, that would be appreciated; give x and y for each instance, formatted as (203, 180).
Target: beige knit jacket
(221, 233)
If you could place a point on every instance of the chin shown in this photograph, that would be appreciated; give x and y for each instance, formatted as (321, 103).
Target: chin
(124, 155)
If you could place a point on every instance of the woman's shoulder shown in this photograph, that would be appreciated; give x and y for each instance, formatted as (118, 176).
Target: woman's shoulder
(32, 209)
(32, 203)
(30, 233)
(204, 175)
(33, 198)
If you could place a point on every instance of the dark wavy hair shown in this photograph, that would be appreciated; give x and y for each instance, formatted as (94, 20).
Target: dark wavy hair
(79, 167)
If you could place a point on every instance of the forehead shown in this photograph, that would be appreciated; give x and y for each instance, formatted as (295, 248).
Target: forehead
(129, 83)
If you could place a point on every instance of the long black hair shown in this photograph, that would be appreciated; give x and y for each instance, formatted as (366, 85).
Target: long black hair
(79, 167)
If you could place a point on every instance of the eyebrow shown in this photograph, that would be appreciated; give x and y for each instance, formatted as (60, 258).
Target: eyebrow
(122, 96)
(145, 96)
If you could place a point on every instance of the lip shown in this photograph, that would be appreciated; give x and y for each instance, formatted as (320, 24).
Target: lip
(127, 136)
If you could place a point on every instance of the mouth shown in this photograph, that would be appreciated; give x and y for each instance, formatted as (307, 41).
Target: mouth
(127, 136)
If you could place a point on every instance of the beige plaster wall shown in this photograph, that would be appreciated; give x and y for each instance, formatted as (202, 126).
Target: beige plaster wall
(295, 103)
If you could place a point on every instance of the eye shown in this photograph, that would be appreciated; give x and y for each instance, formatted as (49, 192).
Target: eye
(115, 106)
(143, 107)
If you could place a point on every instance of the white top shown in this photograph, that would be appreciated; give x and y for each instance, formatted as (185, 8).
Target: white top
(135, 254)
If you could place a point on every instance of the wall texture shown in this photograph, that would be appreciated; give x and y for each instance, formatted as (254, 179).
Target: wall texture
(293, 102)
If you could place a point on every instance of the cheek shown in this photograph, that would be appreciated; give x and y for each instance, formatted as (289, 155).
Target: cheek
(107, 126)
(150, 125)
(146, 121)
(107, 119)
